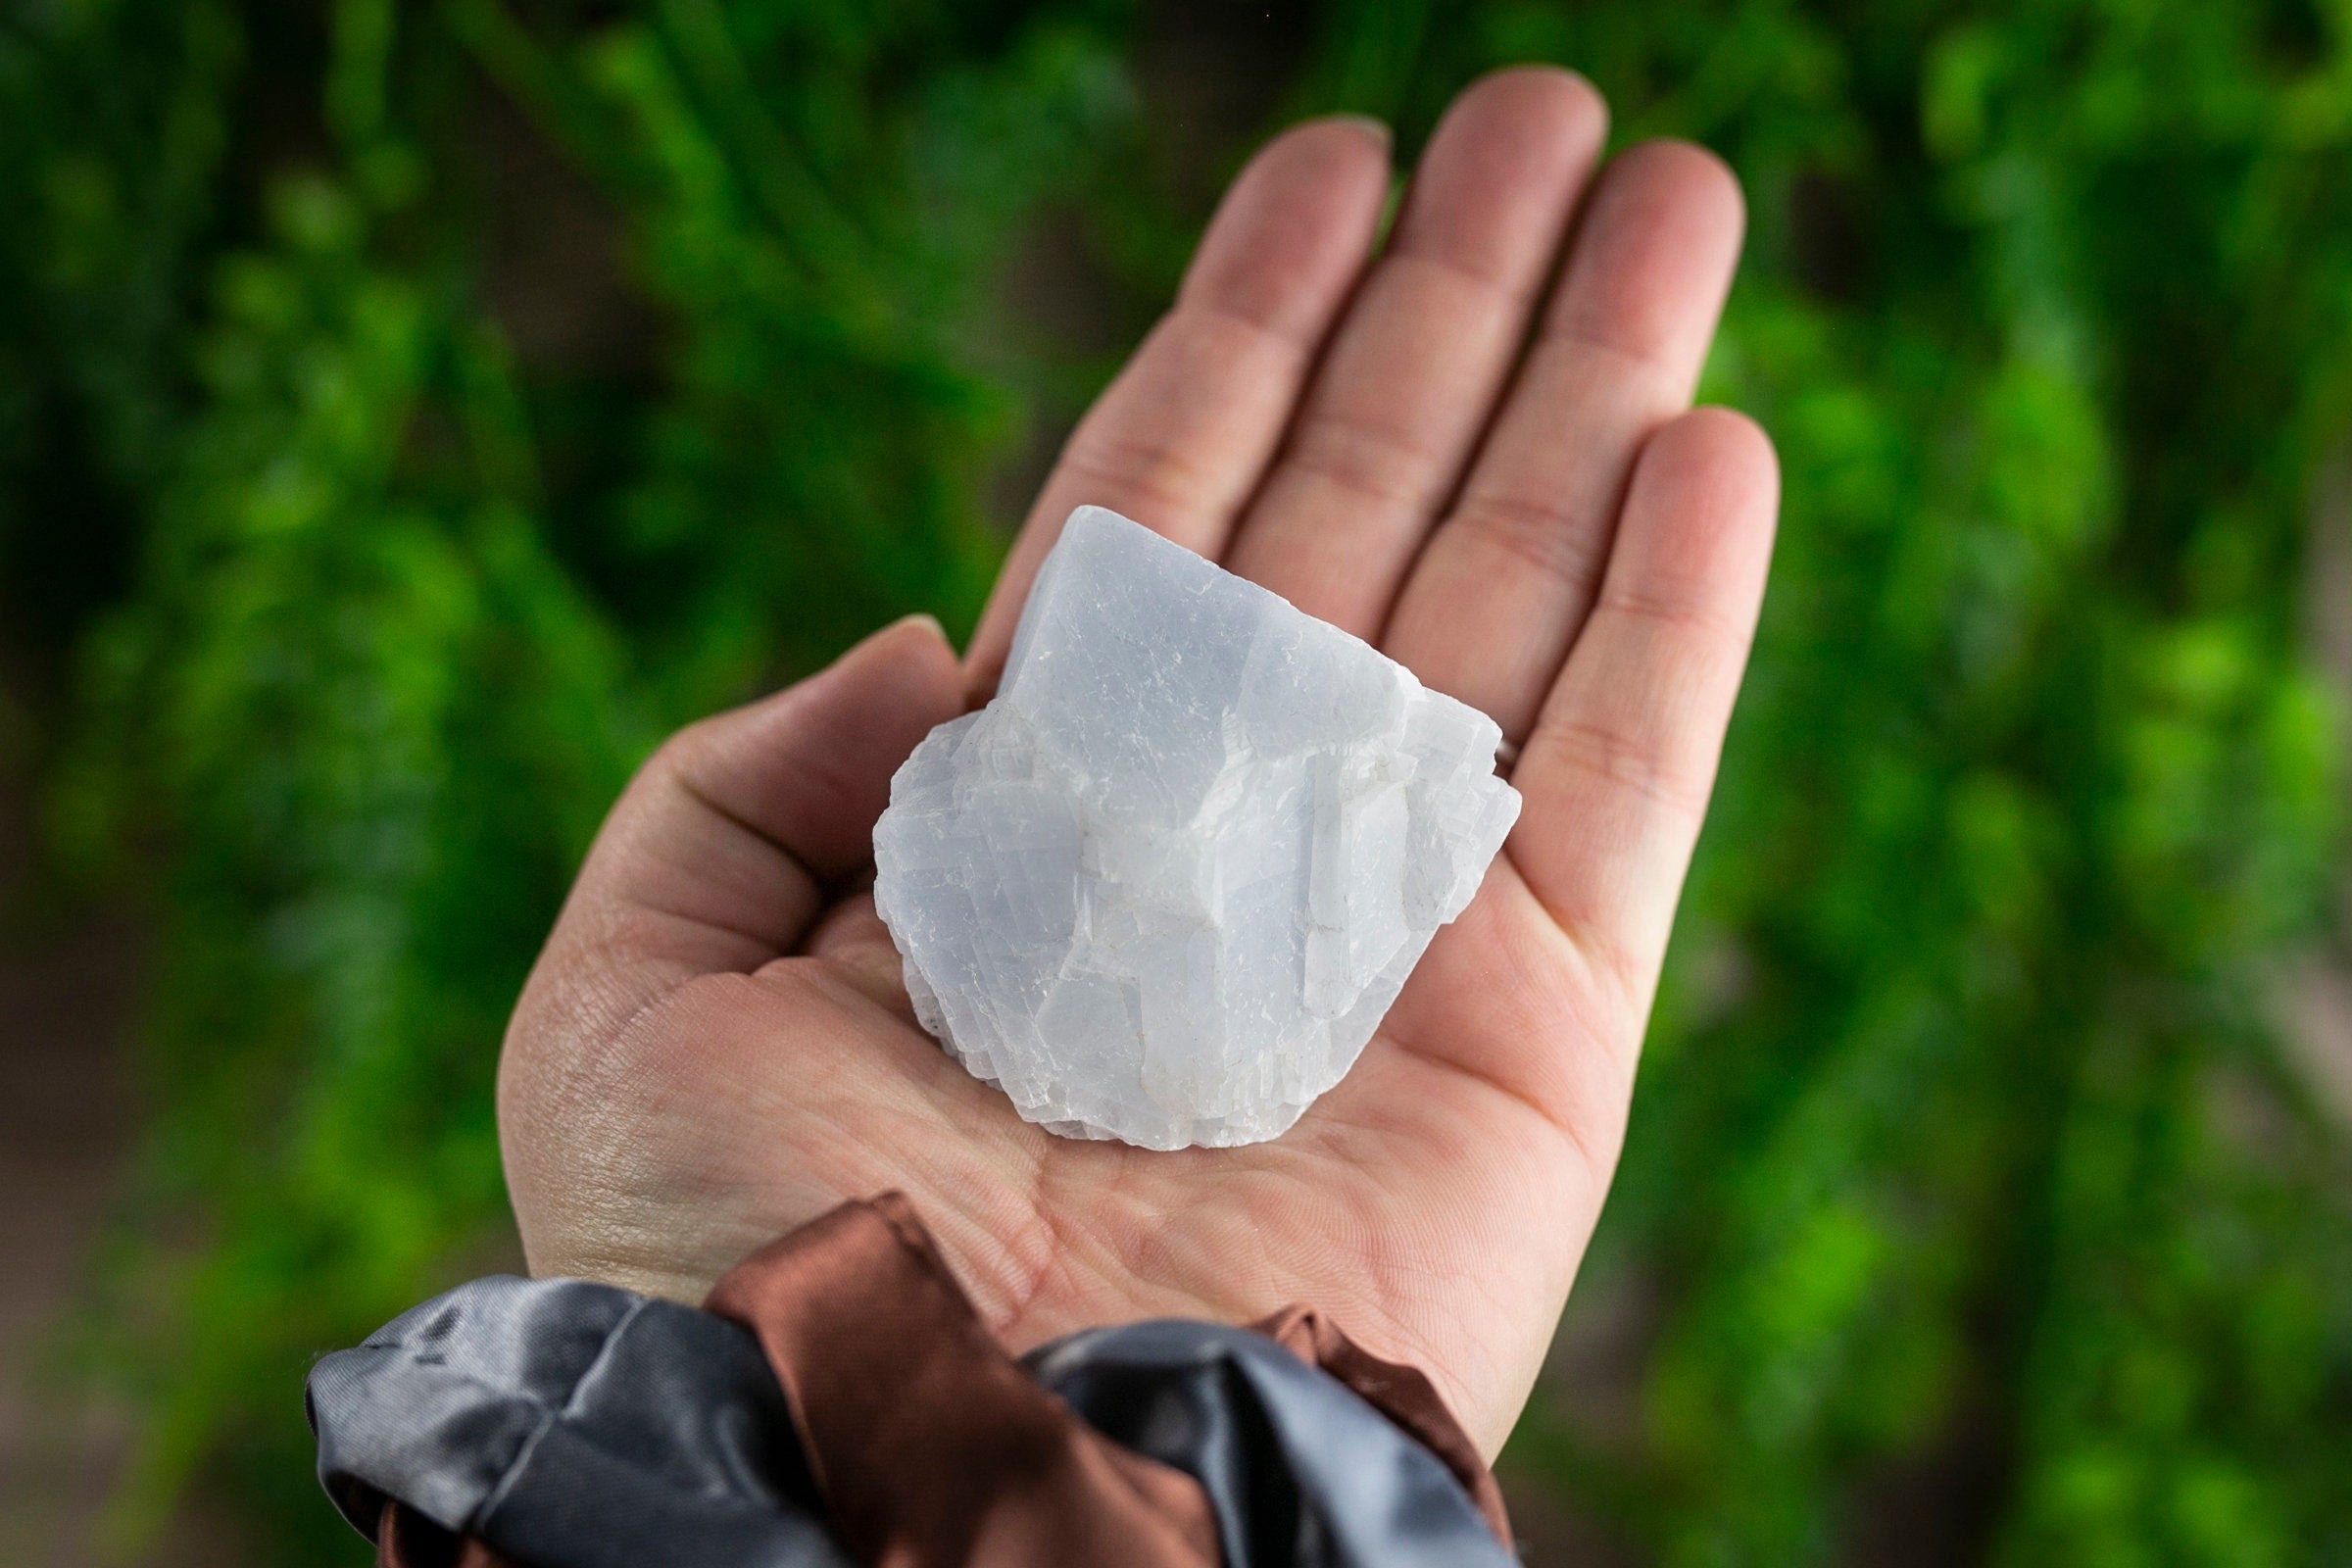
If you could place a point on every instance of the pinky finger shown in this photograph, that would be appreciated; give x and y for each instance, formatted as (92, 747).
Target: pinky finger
(1617, 771)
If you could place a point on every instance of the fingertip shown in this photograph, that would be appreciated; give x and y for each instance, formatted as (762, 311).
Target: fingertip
(1725, 451)
(1694, 178)
(1524, 114)
(909, 664)
(1371, 129)
(924, 621)
(1702, 511)
(1551, 97)
(919, 635)
(1295, 227)
(1760, 454)
(1654, 255)
(1501, 179)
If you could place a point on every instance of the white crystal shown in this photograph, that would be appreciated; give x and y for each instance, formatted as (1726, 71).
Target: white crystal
(1165, 885)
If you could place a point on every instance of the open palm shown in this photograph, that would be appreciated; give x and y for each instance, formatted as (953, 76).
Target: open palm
(1469, 444)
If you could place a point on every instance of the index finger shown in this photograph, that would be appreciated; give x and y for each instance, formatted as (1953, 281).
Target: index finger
(1179, 440)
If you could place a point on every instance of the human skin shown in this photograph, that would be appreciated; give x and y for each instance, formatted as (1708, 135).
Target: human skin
(1472, 444)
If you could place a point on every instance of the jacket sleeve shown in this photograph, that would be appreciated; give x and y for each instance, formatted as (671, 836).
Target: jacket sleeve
(838, 1402)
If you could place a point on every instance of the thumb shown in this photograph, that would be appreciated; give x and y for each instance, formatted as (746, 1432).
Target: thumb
(717, 856)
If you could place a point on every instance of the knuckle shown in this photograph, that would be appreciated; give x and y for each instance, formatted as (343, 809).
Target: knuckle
(1620, 758)
(1366, 459)
(1148, 476)
(1542, 536)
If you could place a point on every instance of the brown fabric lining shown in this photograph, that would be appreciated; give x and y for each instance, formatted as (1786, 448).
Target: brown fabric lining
(890, 1374)
(933, 1447)
(1399, 1392)
(405, 1539)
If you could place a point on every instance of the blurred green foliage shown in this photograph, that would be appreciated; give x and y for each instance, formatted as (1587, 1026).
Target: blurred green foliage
(409, 412)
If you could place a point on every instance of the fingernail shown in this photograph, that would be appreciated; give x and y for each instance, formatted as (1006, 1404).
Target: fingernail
(922, 618)
(1371, 126)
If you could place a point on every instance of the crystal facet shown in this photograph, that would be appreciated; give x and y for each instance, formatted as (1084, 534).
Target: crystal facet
(1165, 885)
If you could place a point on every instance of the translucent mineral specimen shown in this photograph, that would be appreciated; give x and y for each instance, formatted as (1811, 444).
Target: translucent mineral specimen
(1164, 887)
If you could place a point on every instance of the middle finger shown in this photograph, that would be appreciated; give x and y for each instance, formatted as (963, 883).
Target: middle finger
(1415, 367)
(1498, 595)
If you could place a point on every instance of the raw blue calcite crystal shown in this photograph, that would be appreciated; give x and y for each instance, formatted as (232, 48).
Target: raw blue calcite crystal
(1164, 887)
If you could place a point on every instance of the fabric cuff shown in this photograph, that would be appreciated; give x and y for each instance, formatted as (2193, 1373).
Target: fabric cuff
(840, 1375)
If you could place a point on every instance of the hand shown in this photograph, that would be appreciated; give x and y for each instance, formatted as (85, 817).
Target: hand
(1472, 448)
